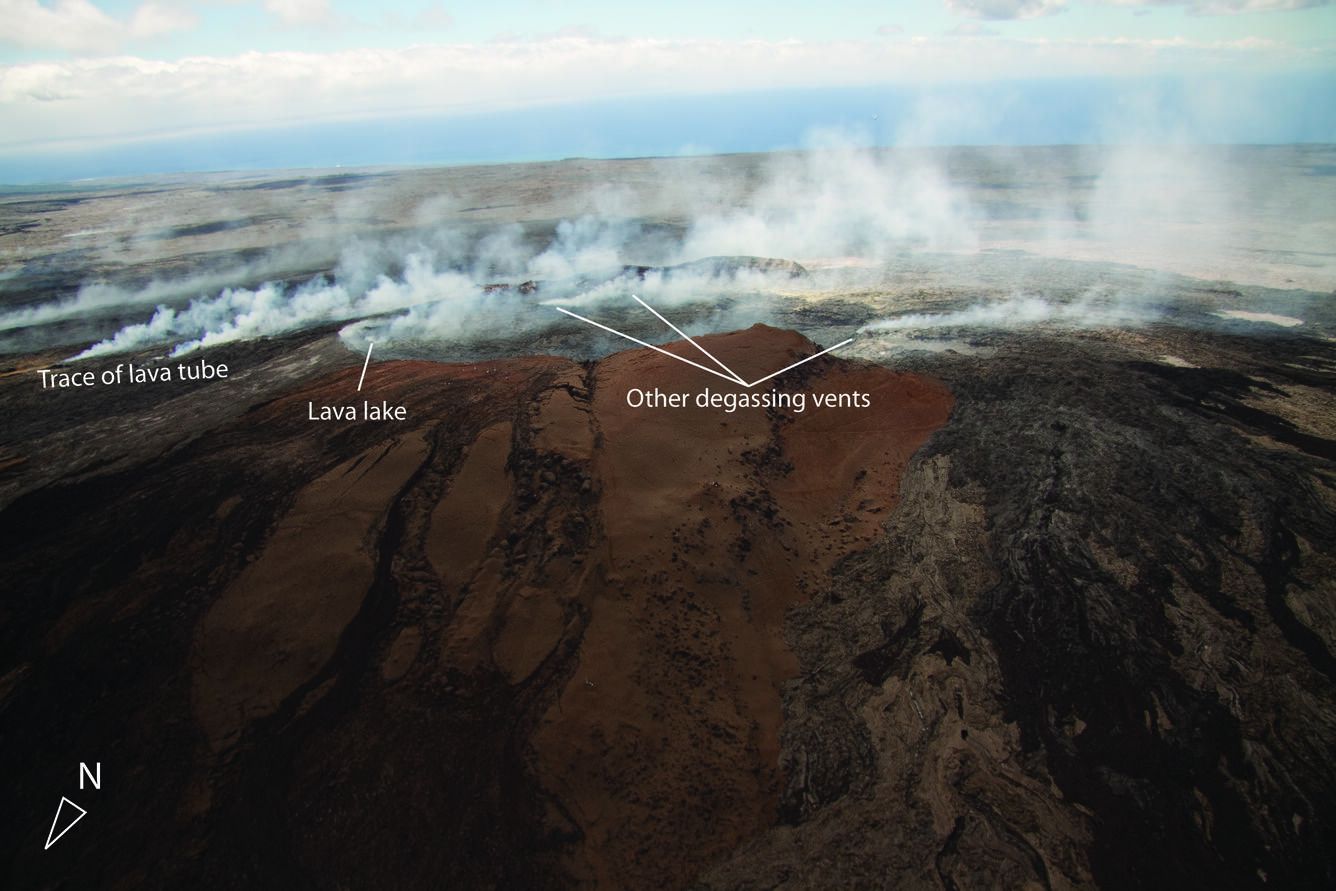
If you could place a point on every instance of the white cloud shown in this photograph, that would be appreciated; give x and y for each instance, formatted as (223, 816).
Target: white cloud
(157, 19)
(1002, 10)
(74, 25)
(300, 12)
(91, 101)
(78, 26)
(889, 30)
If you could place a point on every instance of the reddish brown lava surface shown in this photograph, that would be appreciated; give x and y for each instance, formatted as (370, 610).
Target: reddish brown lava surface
(628, 568)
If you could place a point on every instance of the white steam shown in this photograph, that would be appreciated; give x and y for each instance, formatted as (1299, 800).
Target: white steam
(1027, 311)
(100, 297)
(907, 221)
(240, 313)
(840, 201)
(440, 274)
(666, 288)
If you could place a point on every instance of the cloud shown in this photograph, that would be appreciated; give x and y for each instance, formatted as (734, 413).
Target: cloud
(1226, 7)
(151, 20)
(889, 30)
(297, 13)
(78, 26)
(1004, 10)
(90, 103)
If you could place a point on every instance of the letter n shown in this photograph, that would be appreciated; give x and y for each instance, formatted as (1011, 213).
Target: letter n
(95, 780)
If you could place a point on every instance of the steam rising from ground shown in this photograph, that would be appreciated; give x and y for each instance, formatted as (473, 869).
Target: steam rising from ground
(238, 314)
(1028, 310)
(838, 202)
(1169, 210)
(436, 294)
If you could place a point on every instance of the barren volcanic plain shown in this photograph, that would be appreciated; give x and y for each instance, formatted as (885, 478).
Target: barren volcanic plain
(351, 559)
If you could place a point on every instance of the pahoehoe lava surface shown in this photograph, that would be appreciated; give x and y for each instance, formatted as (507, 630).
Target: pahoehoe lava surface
(1051, 615)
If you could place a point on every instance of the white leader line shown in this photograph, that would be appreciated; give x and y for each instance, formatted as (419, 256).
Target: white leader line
(650, 345)
(364, 365)
(734, 379)
(799, 362)
(714, 359)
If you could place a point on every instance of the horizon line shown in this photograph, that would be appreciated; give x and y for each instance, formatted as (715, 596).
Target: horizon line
(324, 171)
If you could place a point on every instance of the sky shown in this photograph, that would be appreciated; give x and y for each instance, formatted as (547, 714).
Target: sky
(117, 87)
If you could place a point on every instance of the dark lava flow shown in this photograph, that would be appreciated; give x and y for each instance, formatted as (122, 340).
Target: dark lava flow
(1092, 642)
(1117, 646)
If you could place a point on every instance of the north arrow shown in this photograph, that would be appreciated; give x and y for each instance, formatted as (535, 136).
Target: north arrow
(53, 836)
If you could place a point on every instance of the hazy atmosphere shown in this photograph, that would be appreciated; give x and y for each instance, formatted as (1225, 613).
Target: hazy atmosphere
(717, 446)
(856, 102)
(124, 89)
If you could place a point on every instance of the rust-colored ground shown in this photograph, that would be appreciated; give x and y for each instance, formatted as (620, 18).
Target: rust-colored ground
(629, 568)
(716, 524)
